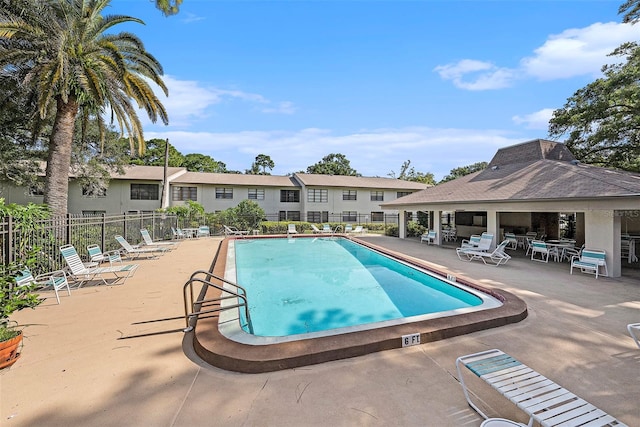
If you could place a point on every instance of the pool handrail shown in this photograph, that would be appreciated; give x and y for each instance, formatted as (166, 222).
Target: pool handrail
(196, 305)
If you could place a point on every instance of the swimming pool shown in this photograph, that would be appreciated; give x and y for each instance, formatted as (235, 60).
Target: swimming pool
(221, 342)
(300, 288)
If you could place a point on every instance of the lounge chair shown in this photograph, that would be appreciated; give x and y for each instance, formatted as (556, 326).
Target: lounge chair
(177, 233)
(430, 237)
(291, 229)
(590, 261)
(472, 242)
(97, 256)
(56, 279)
(134, 252)
(497, 257)
(358, 230)
(80, 273)
(348, 228)
(148, 241)
(544, 401)
(326, 228)
(315, 229)
(233, 231)
(483, 245)
(634, 331)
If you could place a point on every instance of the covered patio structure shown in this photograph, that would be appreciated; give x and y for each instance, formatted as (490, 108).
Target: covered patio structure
(536, 186)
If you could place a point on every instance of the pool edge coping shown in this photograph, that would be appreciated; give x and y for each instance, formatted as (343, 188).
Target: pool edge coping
(219, 351)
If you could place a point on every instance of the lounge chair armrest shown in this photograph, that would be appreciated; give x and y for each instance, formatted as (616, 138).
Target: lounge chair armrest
(47, 278)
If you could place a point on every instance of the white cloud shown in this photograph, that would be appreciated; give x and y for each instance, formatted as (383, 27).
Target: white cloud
(578, 51)
(190, 101)
(373, 152)
(574, 52)
(476, 75)
(537, 120)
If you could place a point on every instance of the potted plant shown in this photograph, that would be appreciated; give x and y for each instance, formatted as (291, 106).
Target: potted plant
(13, 298)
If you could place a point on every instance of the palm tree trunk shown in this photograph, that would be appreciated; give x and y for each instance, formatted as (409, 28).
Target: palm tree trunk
(56, 188)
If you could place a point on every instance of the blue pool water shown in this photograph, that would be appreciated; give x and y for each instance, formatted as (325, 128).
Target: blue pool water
(304, 285)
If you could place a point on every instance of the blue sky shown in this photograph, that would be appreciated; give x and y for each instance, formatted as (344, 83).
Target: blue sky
(441, 83)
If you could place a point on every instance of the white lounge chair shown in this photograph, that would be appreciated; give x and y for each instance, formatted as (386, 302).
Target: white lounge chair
(348, 228)
(291, 229)
(590, 261)
(80, 273)
(315, 229)
(472, 242)
(544, 401)
(57, 280)
(203, 231)
(358, 230)
(136, 251)
(326, 228)
(497, 257)
(233, 231)
(430, 237)
(484, 245)
(148, 241)
(634, 331)
(513, 240)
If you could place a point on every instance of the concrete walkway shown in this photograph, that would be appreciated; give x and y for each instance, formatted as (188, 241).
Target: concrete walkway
(90, 361)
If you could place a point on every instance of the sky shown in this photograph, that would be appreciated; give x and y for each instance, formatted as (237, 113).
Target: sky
(441, 83)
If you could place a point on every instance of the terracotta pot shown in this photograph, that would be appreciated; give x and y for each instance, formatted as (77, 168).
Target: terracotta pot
(10, 351)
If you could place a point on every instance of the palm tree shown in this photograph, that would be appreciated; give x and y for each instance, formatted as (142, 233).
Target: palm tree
(62, 52)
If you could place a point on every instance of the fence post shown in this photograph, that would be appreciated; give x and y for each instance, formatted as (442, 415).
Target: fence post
(103, 237)
(8, 242)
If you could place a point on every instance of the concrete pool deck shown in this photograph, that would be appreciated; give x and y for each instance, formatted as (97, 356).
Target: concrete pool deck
(91, 361)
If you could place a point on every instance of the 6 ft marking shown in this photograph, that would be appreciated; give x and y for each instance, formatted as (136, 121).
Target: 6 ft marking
(411, 339)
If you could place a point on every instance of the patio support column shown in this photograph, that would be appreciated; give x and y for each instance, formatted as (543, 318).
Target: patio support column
(402, 224)
(493, 226)
(437, 226)
(602, 231)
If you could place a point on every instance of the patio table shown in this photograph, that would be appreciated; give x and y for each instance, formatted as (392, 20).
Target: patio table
(559, 245)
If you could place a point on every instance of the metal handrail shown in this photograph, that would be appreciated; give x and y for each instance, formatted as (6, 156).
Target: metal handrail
(197, 304)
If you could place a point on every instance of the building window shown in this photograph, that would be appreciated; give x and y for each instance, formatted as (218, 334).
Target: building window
(289, 215)
(318, 195)
(93, 191)
(145, 192)
(349, 216)
(349, 195)
(36, 189)
(224, 193)
(256, 194)
(317, 216)
(289, 196)
(377, 196)
(184, 193)
(377, 216)
(403, 193)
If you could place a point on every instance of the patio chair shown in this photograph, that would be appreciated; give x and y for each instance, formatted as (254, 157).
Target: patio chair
(544, 401)
(539, 247)
(590, 261)
(81, 274)
(315, 229)
(291, 229)
(57, 280)
(513, 240)
(203, 231)
(497, 257)
(97, 256)
(326, 228)
(634, 331)
(134, 252)
(148, 241)
(348, 228)
(177, 233)
(430, 237)
(233, 231)
(359, 229)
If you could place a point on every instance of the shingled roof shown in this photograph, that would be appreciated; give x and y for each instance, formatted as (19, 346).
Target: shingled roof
(534, 170)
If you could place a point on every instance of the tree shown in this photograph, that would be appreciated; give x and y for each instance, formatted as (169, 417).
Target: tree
(602, 120)
(65, 54)
(333, 164)
(464, 170)
(202, 163)
(155, 152)
(265, 162)
(169, 7)
(247, 215)
(408, 173)
(631, 11)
